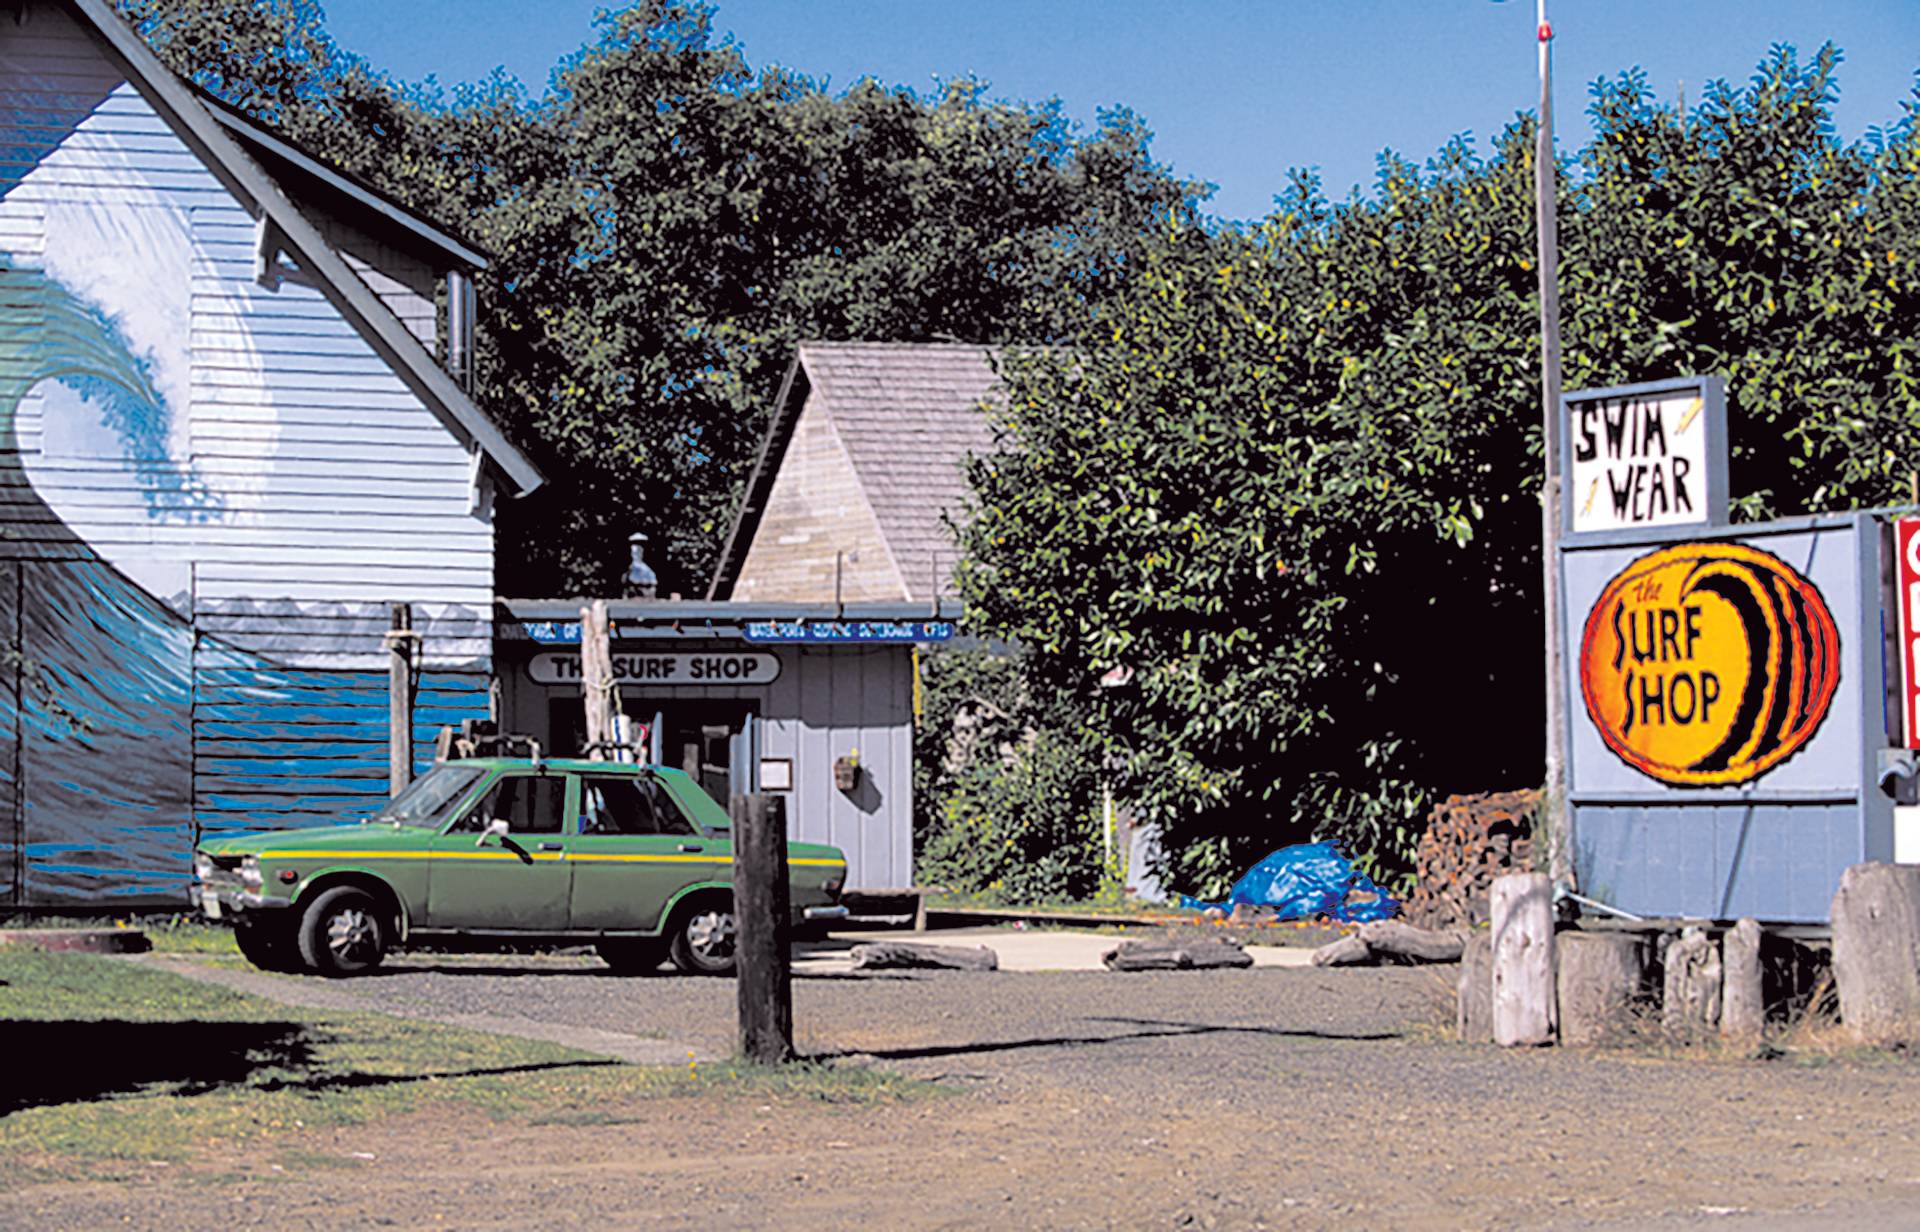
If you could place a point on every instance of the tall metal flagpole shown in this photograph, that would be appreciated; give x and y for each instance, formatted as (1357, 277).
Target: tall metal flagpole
(1557, 813)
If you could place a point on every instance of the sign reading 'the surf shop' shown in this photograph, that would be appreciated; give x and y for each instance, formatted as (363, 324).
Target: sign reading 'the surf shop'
(1708, 664)
(1646, 455)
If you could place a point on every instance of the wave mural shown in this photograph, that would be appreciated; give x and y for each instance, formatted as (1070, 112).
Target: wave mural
(132, 717)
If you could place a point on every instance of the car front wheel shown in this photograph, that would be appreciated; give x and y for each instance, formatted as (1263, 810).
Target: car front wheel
(343, 932)
(270, 946)
(703, 938)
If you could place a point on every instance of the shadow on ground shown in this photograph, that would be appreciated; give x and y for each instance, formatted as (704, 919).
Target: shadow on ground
(59, 1062)
(1144, 1029)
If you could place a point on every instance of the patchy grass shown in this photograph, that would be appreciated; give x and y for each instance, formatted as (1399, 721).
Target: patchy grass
(115, 1067)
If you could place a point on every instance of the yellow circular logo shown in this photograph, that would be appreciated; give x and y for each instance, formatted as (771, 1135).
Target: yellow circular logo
(1708, 663)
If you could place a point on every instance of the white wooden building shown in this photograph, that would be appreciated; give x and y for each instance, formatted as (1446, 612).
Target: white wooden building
(228, 446)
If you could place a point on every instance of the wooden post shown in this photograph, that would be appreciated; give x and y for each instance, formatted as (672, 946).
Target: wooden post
(1743, 1007)
(400, 641)
(596, 677)
(1876, 952)
(763, 941)
(1523, 1009)
(1475, 1007)
(1690, 1001)
(1600, 977)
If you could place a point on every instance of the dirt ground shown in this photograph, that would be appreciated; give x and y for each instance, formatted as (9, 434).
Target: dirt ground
(1265, 1098)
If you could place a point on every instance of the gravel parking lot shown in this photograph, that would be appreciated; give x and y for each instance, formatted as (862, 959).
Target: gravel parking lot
(1276, 1097)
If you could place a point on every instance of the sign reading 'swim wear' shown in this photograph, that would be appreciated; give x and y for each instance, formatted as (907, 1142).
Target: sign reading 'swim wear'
(563, 667)
(1708, 663)
(1646, 455)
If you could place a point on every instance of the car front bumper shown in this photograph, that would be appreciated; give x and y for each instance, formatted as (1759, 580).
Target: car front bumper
(217, 902)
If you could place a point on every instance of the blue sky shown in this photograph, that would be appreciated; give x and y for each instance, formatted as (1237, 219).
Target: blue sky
(1236, 91)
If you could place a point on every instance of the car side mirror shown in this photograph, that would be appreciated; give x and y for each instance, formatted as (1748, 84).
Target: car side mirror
(496, 828)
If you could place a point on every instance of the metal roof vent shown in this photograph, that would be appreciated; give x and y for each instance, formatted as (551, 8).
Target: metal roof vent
(642, 581)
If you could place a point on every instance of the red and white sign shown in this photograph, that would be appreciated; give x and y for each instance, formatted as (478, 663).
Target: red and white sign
(1906, 542)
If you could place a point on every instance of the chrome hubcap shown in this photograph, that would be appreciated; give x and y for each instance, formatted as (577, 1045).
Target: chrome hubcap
(353, 936)
(710, 935)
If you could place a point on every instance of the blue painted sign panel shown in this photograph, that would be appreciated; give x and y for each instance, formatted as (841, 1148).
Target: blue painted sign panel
(844, 631)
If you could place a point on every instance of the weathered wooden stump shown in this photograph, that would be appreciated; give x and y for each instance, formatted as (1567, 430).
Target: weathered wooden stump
(1743, 1006)
(1876, 952)
(1601, 978)
(1523, 1000)
(1474, 1008)
(1690, 1000)
(1175, 956)
(895, 955)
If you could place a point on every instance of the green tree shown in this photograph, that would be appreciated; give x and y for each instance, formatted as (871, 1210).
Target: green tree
(667, 223)
(1288, 475)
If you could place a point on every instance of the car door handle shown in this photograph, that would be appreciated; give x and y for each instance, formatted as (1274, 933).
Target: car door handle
(553, 846)
(691, 847)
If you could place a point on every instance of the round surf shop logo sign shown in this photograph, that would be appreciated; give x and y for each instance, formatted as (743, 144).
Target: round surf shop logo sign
(1708, 663)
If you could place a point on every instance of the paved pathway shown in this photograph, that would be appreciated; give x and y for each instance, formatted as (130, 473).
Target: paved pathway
(338, 995)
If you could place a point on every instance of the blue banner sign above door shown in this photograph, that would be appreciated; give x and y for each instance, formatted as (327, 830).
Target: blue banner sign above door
(843, 631)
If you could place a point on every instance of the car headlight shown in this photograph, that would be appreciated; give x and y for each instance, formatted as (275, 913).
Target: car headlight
(250, 871)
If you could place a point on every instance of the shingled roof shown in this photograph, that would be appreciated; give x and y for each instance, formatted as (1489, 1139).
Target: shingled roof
(908, 416)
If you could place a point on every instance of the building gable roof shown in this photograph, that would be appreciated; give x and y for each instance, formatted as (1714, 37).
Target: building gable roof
(908, 416)
(263, 197)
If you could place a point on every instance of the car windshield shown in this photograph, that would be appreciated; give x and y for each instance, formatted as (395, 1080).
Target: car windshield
(427, 800)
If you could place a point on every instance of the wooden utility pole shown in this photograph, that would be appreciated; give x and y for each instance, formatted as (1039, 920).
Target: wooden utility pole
(596, 677)
(763, 942)
(1558, 816)
(400, 640)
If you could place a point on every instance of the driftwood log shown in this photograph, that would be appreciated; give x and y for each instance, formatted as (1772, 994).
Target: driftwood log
(1876, 952)
(896, 955)
(1523, 1000)
(1391, 939)
(1743, 1008)
(1175, 956)
(1474, 1017)
(1690, 1001)
(1601, 978)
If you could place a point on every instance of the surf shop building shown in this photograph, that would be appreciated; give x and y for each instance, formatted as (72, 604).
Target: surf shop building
(236, 431)
(1741, 697)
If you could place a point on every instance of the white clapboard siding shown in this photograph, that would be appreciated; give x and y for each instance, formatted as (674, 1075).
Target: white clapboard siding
(286, 490)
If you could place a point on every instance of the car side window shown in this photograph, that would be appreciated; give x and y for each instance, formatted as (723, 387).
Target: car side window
(530, 804)
(628, 804)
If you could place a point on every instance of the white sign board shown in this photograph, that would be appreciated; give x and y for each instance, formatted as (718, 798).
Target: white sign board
(1646, 456)
(669, 670)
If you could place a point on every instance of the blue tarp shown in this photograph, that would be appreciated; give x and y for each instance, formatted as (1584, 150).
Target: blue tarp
(1307, 879)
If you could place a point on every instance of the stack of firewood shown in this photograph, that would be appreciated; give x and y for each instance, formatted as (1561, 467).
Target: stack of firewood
(1470, 840)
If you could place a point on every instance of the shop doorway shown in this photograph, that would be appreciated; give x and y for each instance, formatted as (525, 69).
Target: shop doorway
(714, 741)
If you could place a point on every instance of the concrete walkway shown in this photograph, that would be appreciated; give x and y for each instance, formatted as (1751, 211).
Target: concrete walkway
(1017, 949)
(313, 992)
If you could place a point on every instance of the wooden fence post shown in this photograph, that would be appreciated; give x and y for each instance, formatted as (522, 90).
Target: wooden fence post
(400, 641)
(1876, 952)
(763, 929)
(1743, 1007)
(596, 678)
(1523, 1001)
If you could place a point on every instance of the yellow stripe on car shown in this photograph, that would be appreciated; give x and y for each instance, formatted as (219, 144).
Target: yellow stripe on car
(581, 857)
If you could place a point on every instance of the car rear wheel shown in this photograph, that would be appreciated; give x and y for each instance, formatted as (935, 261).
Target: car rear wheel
(270, 946)
(343, 932)
(703, 937)
(631, 955)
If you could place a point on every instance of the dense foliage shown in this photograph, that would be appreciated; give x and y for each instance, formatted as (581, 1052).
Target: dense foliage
(667, 222)
(1006, 785)
(1289, 476)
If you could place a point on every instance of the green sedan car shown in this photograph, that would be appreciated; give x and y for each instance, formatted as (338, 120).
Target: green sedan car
(636, 860)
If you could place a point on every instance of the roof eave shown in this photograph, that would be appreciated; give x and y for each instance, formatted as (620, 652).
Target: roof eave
(260, 194)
